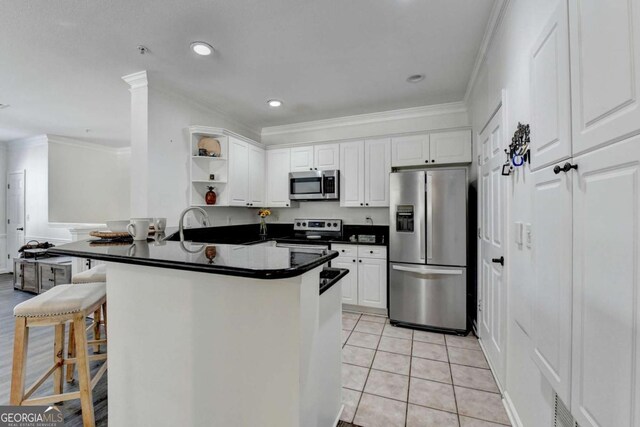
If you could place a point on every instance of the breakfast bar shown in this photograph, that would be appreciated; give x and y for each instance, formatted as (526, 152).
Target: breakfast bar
(224, 335)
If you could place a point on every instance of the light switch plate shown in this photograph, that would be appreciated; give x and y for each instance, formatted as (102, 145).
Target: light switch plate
(518, 232)
(528, 236)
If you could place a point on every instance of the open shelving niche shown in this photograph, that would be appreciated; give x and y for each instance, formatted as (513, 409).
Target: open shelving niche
(200, 167)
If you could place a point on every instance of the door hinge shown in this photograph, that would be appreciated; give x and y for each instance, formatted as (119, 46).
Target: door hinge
(479, 232)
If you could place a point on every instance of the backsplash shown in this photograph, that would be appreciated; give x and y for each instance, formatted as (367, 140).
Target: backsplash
(330, 210)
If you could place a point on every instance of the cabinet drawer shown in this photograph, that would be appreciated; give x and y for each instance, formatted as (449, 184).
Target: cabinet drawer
(372, 252)
(346, 250)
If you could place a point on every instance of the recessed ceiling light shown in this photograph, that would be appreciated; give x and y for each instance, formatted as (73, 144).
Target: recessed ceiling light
(202, 48)
(415, 78)
(274, 103)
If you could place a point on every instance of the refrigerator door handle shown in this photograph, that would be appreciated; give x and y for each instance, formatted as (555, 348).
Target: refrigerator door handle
(429, 230)
(427, 270)
(422, 224)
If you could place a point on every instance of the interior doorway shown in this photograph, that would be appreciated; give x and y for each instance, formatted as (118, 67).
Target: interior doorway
(15, 212)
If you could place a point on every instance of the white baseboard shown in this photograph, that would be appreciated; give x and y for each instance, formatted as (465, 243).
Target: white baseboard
(509, 407)
(511, 411)
(335, 423)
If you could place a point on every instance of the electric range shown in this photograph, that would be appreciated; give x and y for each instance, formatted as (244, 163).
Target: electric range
(313, 233)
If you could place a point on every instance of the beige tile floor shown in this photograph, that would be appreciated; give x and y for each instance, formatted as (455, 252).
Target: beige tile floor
(408, 378)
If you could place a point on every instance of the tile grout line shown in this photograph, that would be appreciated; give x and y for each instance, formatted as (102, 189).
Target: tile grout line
(406, 413)
(453, 387)
(368, 373)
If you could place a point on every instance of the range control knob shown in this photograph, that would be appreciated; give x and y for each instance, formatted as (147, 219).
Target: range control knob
(304, 224)
(335, 224)
(298, 224)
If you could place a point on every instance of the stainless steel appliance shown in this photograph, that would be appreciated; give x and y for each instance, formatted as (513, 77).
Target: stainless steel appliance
(428, 249)
(314, 185)
(312, 234)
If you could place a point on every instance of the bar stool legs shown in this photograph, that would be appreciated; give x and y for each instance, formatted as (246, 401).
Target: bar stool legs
(99, 319)
(40, 311)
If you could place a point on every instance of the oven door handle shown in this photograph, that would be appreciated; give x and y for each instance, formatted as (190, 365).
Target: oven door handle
(428, 270)
(322, 183)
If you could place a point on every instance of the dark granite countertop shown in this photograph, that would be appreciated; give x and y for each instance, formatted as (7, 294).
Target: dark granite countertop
(255, 261)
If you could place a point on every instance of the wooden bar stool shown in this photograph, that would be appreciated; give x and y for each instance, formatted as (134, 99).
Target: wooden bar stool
(57, 306)
(93, 275)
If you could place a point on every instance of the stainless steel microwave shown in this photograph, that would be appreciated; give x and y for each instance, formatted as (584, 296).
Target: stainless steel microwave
(314, 185)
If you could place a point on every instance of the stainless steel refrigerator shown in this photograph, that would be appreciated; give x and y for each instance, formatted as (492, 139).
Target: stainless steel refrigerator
(428, 249)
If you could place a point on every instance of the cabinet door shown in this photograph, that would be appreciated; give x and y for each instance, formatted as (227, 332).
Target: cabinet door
(377, 166)
(450, 147)
(326, 156)
(551, 92)
(352, 174)
(410, 150)
(553, 257)
(47, 277)
(301, 159)
(606, 244)
(238, 172)
(256, 176)
(278, 162)
(605, 76)
(350, 281)
(372, 282)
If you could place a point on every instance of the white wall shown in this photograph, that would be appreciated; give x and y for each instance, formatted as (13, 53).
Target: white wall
(88, 183)
(507, 66)
(168, 154)
(421, 119)
(3, 207)
(31, 155)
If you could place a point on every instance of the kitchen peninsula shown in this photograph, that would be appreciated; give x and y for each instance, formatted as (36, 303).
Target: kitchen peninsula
(216, 334)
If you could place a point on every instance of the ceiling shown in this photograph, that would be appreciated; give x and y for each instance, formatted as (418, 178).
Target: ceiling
(61, 62)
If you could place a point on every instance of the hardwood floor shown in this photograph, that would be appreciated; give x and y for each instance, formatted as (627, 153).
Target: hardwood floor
(40, 358)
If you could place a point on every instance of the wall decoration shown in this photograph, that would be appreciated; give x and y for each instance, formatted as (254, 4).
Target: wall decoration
(210, 145)
(211, 196)
(518, 152)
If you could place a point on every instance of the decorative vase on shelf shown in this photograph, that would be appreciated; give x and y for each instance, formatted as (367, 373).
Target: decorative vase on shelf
(210, 197)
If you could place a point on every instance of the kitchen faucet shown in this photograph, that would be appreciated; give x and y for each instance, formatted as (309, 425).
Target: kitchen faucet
(205, 219)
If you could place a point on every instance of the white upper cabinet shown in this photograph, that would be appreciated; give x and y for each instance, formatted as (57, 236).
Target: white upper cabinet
(551, 92)
(364, 173)
(605, 71)
(450, 147)
(352, 174)
(278, 163)
(302, 159)
(552, 252)
(238, 172)
(410, 150)
(326, 156)
(377, 154)
(436, 148)
(256, 176)
(606, 245)
(246, 174)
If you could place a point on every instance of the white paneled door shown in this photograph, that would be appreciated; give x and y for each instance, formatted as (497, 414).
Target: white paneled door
(492, 292)
(551, 92)
(553, 260)
(15, 212)
(606, 321)
(605, 71)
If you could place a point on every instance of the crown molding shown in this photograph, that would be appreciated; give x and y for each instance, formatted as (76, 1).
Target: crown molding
(62, 140)
(32, 141)
(498, 12)
(208, 130)
(363, 119)
(137, 80)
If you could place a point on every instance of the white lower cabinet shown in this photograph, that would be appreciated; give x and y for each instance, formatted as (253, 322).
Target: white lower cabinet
(606, 268)
(366, 283)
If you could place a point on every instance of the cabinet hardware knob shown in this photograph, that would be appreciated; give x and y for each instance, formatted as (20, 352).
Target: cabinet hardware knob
(565, 168)
(498, 260)
(354, 260)
(366, 204)
(370, 252)
(359, 260)
(557, 170)
(316, 168)
(361, 204)
(287, 204)
(426, 161)
(433, 160)
(310, 169)
(343, 250)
